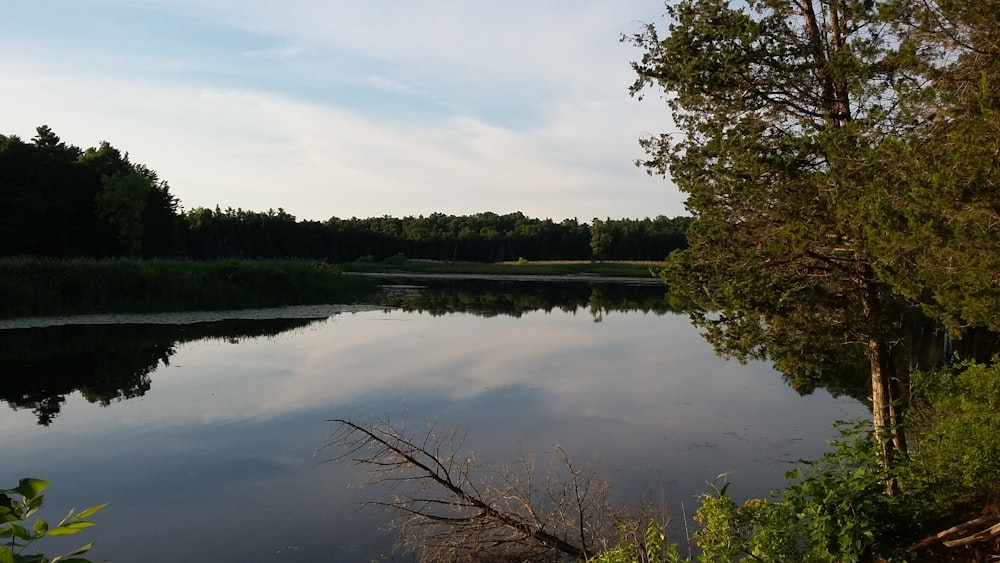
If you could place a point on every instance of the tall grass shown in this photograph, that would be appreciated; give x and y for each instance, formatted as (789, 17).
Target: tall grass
(521, 268)
(39, 286)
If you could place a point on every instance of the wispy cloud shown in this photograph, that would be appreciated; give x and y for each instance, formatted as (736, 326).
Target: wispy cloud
(345, 108)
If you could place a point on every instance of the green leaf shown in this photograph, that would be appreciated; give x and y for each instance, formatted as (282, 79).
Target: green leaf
(70, 528)
(80, 550)
(36, 502)
(32, 506)
(6, 555)
(89, 511)
(30, 488)
(68, 518)
(20, 532)
(8, 510)
(41, 526)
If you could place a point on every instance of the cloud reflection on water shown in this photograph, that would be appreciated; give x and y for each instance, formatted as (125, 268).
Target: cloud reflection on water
(231, 429)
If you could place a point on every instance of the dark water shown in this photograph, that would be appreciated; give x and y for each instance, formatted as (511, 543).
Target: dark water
(203, 433)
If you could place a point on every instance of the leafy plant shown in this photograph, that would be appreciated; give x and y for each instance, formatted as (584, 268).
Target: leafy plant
(16, 537)
(956, 461)
(835, 509)
(636, 547)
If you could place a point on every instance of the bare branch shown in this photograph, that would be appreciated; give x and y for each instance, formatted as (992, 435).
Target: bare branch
(448, 507)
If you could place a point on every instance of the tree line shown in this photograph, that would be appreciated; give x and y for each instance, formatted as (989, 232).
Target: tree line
(62, 201)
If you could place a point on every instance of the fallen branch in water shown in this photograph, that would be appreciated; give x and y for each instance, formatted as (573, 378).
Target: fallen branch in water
(449, 507)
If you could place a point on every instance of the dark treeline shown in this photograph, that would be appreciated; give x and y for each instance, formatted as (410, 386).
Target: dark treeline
(62, 201)
(59, 200)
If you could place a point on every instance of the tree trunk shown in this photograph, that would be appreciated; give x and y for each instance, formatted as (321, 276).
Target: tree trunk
(899, 395)
(888, 433)
(887, 409)
(878, 356)
(834, 97)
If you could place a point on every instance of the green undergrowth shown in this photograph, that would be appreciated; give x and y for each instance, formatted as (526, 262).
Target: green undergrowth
(835, 509)
(38, 286)
(955, 439)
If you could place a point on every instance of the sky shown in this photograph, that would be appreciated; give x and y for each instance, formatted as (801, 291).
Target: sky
(336, 108)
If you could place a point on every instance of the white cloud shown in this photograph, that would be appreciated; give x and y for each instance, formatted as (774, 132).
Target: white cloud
(364, 109)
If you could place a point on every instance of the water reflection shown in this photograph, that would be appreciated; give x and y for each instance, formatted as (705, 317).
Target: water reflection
(112, 362)
(220, 449)
(105, 363)
(515, 298)
(109, 362)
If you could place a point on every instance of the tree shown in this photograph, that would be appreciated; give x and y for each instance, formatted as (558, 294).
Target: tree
(780, 106)
(57, 200)
(135, 206)
(47, 141)
(121, 203)
(52, 197)
(937, 207)
(600, 241)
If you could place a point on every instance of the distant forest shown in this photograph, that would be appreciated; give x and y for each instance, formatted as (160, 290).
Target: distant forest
(58, 200)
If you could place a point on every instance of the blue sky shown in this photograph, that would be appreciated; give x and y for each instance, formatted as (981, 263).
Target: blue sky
(362, 108)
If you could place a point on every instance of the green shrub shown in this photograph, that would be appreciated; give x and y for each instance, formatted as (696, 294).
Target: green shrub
(955, 439)
(834, 510)
(17, 538)
(634, 547)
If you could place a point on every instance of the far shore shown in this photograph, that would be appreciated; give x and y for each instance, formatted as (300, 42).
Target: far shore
(554, 269)
(42, 287)
(564, 278)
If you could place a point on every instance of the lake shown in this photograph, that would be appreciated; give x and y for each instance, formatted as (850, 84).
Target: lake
(203, 430)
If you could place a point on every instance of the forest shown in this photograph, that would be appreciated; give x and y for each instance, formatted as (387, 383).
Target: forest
(58, 200)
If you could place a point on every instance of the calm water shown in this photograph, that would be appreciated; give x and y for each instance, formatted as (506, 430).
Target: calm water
(203, 436)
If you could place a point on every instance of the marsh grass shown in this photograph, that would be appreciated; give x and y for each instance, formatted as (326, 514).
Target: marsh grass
(39, 286)
(518, 268)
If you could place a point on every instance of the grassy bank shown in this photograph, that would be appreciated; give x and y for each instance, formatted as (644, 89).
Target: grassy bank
(521, 268)
(32, 286)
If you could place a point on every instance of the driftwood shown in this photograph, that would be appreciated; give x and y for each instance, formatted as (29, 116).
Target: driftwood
(448, 507)
(984, 535)
(988, 527)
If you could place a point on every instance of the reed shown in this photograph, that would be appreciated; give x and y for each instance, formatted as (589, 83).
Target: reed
(519, 268)
(42, 286)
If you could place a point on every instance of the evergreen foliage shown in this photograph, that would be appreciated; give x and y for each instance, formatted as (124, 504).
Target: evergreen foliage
(831, 219)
